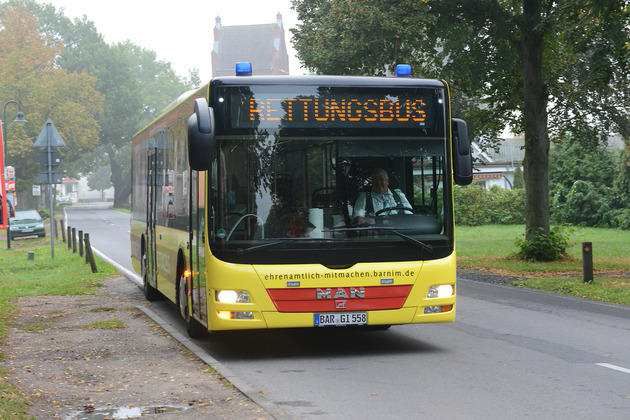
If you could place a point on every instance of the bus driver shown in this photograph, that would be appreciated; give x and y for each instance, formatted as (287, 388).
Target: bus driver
(380, 197)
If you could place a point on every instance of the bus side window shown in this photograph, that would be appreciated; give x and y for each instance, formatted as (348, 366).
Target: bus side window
(212, 186)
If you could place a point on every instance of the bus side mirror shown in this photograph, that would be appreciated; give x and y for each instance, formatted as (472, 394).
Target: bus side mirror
(201, 140)
(462, 156)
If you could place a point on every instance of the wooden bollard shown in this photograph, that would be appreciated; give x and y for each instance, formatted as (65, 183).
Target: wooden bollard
(74, 240)
(69, 232)
(63, 229)
(88, 252)
(587, 262)
(81, 243)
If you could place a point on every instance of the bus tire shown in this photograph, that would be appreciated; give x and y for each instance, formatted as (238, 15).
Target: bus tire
(193, 327)
(150, 293)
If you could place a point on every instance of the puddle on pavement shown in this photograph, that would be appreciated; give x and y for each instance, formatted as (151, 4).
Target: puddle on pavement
(125, 412)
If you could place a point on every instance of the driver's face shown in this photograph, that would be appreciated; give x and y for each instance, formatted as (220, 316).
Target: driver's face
(380, 183)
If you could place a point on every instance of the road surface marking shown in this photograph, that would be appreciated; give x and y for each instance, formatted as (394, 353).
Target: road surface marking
(613, 367)
(124, 271)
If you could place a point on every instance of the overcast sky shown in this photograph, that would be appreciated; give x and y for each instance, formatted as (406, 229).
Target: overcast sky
(178, 31)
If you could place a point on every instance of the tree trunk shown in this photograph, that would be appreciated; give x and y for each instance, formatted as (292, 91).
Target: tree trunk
(536, 161)
(122, 185)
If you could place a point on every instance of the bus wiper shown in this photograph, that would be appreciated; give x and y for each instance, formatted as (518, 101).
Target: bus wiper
(255, 247)
(408, 238)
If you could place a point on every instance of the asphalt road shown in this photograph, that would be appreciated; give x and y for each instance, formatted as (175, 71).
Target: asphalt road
(512, 353)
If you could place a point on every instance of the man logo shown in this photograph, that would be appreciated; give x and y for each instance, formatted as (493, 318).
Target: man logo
(340, 303)
(340, 293)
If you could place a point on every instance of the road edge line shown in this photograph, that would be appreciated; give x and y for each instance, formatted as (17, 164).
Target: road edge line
(245, 388)
(614, 367)
(130, 275)
(242, 386)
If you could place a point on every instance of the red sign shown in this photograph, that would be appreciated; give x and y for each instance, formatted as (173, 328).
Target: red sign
(487, 175)
(3, 200)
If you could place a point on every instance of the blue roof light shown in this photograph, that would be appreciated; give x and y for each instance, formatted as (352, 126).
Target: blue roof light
(244, 68)
(403, 70)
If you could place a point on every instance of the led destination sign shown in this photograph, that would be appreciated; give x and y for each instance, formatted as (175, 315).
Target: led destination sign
(385, 109)
(316, 110)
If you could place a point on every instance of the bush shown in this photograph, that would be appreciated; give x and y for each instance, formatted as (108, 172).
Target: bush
(585, 205)
(589, 183)
(44, 213)
(620, 218)
(477, 206)
(544, 247)
(508, 206)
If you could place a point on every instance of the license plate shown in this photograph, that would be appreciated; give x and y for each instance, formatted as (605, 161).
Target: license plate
(27, 230)
(339, 319)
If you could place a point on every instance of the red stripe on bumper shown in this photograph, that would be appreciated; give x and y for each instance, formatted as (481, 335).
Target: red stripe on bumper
(305, 300)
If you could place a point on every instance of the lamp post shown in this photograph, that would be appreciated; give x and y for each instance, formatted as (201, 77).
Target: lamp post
(20, 119)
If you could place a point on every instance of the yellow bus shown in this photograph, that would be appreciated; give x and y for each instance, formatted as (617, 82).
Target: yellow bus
(266, 202)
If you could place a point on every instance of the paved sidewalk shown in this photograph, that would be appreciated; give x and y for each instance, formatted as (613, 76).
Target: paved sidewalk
(98, 356)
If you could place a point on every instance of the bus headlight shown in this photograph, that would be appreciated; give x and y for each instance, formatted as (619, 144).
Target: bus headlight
(232, 296)
(440, 291)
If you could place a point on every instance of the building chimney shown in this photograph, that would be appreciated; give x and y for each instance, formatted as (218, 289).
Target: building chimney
(217, 22)
(279, 19)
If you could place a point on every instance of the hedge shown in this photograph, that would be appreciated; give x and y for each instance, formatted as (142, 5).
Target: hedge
(475, 206)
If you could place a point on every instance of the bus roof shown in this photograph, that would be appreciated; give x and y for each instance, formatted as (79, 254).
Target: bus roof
(181, 99)
(326, 81)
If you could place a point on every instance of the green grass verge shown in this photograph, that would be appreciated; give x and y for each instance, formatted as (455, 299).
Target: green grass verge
(13, 404)
(493, 247)
(66, 274)
(604, 288)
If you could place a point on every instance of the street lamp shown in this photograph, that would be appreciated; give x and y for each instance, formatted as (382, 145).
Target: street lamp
(19, 119)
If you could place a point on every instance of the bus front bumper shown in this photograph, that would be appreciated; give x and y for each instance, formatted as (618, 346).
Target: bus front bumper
(245, 320)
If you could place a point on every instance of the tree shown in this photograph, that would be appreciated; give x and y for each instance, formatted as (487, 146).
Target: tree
(100, 179)
(30, 75)
(536, 65)
(135, 85)
(138, 88)
(584, 177)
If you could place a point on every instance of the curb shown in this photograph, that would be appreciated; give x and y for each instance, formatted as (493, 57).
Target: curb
(255, 395)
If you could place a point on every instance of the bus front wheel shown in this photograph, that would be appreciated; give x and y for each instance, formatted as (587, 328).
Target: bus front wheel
(193, 327)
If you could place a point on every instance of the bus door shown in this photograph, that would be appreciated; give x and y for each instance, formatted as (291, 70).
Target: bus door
(151, 245)
(197, 239)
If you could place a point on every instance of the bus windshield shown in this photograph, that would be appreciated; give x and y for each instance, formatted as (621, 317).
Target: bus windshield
(280, 195)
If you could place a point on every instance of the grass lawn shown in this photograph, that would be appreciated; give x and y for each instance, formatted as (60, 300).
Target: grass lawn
(492, 248)
(67, 274)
